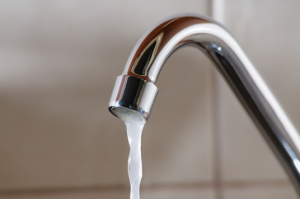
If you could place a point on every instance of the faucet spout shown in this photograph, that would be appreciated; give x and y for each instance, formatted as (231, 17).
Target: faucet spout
(135, 91)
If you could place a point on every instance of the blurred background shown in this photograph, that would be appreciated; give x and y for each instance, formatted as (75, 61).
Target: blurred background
(58, 64)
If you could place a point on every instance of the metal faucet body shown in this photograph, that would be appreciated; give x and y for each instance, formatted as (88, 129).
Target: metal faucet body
(135, 89)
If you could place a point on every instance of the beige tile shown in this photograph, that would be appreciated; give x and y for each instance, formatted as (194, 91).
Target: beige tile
(261, 192)
(178, 139)
(178, 193)
(269, 36)
(246, 155)
(59, 61)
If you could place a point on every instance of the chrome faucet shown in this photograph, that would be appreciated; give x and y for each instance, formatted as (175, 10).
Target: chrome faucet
(134, 92)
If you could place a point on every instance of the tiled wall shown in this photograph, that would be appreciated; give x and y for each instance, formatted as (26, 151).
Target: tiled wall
(58, 63)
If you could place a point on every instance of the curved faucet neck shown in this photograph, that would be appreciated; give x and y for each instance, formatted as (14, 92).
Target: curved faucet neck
(154, 48)
(136, 89)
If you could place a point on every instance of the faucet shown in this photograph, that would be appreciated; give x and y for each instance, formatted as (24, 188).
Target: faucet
(134, 92)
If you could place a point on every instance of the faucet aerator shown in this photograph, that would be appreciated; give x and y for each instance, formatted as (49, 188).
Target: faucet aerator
(132, 98)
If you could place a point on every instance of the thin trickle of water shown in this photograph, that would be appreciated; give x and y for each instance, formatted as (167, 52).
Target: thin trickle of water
(134, 133)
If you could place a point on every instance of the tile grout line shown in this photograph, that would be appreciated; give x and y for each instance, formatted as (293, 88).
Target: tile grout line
(217, 139)
(216, 10)
(214, 122)
(184, 186)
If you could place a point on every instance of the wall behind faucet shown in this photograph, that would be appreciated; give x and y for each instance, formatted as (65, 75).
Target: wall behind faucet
(58, 63)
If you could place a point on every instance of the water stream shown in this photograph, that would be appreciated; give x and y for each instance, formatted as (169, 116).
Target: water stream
(134, 133)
